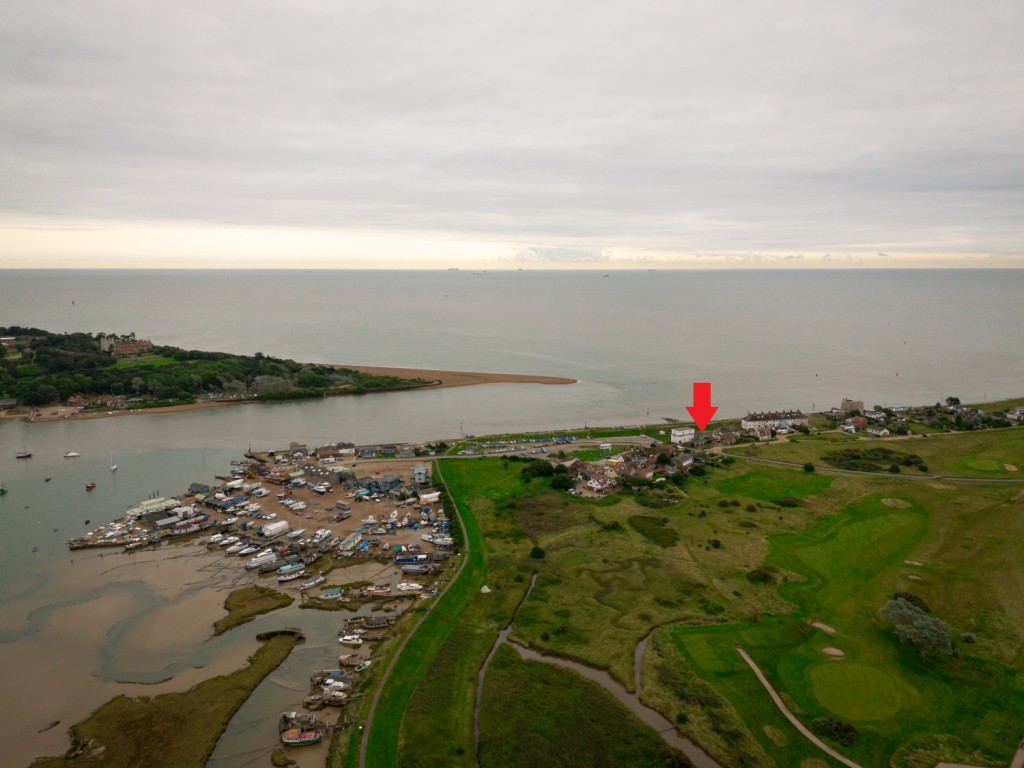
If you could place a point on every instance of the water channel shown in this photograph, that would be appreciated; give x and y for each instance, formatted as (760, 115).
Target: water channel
(651, 717)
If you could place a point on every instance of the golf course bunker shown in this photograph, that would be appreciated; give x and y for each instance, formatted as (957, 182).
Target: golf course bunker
(854, 691)
(913, 562)
(896, 503)
(823, 627)
(1009, 467)
(914, 577)
(834, 652)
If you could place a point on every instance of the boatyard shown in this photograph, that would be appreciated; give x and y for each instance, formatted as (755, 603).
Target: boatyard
(359, 547)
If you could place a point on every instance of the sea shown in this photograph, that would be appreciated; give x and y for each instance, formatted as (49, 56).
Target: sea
(636, 341)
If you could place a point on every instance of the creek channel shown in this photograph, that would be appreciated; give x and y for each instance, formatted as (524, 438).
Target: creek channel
(651, 717)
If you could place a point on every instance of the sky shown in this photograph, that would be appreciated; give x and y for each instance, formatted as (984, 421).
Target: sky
(511, 135)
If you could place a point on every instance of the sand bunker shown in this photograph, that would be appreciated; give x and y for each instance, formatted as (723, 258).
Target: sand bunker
(898, 503)
(914, 577)
(823, 627)
(1009, 467)
(912, 562)
(833, 652)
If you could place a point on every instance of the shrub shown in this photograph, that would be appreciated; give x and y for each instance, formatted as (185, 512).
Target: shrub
(562, 482)
(537, 553)
(760, 576)
(808, 467)
(834, 729)
(788, 501)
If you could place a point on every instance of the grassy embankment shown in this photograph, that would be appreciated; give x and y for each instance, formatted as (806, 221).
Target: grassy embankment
(176, 730)
(954, 545)
(246, 603)
(419, 654)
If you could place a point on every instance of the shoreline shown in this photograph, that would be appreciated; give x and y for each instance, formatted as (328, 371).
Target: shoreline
(436, 379)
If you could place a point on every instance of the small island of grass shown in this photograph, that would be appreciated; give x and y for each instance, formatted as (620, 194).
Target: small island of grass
(246, 603)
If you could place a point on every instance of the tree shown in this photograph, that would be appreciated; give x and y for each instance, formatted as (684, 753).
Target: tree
(663, 460)
(562, 482)
(808, 467)
(929, 635)
(951, 400)
(537, 553)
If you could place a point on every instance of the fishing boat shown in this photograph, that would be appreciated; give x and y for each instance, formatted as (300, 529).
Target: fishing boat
(297, 730)
(90, 486)
(290, 576)
(354, 640)
(71, 454)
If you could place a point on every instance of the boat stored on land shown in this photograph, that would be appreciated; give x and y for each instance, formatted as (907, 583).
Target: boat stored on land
(363, 665)
(290, 576)
(354, 640)
(314, 581)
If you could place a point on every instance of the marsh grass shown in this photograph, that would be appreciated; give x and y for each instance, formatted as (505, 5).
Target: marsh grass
(246, 603)
(176, 730)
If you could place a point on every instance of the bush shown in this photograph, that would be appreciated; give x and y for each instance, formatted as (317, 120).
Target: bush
(537, 468)
(808, 467)
(537, 553)
(760, 576)
(562, 482)
(788, 501)
(834, 729)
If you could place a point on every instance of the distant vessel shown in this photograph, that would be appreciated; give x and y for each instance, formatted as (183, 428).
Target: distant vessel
(23, 455)
(3, 490)
(90, 486)
(71, 454)
(113, 466)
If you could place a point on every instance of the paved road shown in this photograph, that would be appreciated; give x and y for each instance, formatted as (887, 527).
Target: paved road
(791, 717)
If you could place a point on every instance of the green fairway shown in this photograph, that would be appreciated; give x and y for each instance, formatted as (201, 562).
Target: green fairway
(772, 483)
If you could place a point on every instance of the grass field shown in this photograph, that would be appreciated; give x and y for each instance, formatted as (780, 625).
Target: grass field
(678, 562)
(535, 714)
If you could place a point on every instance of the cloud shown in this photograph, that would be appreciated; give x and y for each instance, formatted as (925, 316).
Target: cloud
(561, 255)
(496, 121)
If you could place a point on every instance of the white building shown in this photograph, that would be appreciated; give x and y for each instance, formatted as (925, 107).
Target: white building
(773, 419)
(683, 435)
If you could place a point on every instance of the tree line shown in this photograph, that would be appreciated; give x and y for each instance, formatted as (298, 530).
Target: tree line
(46, 368)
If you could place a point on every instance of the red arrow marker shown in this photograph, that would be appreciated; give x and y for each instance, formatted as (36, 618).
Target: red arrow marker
(702, 410)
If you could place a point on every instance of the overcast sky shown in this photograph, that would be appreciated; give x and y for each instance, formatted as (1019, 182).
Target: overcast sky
(515, 134)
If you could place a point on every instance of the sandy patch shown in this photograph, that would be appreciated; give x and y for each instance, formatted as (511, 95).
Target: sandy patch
(912, 562)
(823, 627)
(1009, 467)
(833, 652)
(914, 577)
(897, 503)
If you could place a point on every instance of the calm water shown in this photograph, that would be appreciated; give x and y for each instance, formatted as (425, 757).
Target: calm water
(636, 341)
